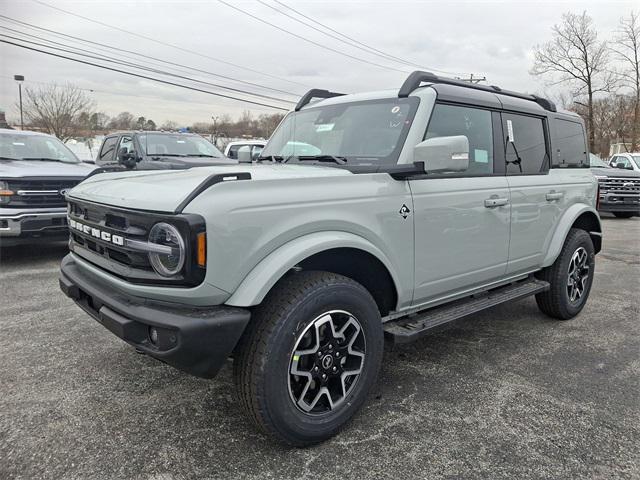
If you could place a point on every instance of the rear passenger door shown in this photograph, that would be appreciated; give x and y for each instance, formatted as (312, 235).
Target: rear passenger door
(536, 200)
(462, 219)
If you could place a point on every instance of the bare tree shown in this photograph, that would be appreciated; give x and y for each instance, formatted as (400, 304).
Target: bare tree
(169, 125)
(57, 109)
(626, 46)
(575, 55)
(122, 121)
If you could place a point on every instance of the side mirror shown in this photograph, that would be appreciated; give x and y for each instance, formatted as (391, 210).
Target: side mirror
(443, 154)
(255, 154)
(244, 154)
(126, 158)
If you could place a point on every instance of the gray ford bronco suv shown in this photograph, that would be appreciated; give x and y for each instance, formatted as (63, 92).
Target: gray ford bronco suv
(369, 215)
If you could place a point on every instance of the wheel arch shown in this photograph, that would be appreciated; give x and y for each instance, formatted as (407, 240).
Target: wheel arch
(577, 216)
(337, 252)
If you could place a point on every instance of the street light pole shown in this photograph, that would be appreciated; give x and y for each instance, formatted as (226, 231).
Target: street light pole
(20, 79)
(213, 136)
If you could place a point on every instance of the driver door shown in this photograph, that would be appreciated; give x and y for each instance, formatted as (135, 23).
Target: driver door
(462, 219)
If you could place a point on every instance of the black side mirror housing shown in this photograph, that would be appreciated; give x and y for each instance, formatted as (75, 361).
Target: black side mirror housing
(127, 158)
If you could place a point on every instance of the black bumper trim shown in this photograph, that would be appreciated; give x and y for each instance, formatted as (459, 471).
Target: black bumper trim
(197, 340)
(612, 207)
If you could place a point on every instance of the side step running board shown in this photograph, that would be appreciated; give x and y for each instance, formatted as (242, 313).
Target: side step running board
(412, 327)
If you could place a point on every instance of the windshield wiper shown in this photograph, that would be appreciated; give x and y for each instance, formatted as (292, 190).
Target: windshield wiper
(45, 159)
(270, 158)
(323, 158)
(200, 155)
(9, 158)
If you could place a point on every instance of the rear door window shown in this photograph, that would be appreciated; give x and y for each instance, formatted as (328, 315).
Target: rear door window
(526, 145)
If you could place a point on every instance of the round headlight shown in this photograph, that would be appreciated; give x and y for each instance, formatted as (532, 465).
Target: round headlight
(169, 263)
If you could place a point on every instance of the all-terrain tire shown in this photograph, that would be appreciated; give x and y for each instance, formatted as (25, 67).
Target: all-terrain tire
(556, 302)
(262, 361)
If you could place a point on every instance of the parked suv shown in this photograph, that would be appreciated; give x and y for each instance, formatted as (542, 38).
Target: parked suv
(157, 151)
(35, 172)
(619, 189)
(420, 206)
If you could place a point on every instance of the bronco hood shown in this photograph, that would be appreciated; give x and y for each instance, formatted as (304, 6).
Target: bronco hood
(165, 190)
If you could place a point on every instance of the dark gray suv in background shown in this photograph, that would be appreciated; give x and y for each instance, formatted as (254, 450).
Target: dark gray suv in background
(158, 151)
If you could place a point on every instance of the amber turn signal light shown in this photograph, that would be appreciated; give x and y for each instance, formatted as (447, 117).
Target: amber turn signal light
(202, 249)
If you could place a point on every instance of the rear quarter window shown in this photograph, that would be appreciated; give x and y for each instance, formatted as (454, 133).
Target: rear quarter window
(570, 144)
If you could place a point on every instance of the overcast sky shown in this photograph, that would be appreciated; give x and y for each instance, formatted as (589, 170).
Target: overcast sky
(492, 39)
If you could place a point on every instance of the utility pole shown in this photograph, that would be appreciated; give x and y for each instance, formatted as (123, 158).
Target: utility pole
(473, 79)
(20, 79)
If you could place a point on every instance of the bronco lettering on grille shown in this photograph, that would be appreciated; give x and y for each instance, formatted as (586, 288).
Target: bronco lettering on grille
(97, 233)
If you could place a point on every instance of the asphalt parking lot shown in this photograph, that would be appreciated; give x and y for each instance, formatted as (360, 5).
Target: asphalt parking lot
(506, 394)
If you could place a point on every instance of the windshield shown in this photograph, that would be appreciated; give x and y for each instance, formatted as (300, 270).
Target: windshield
(34, 147)
(636, 160)
(366, 132)
(178, 145)
(596, 162)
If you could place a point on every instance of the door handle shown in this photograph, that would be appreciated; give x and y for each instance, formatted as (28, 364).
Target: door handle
(494, 202)
(553, 195)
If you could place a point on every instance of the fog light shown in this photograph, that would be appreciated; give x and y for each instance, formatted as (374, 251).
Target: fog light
(153, 335)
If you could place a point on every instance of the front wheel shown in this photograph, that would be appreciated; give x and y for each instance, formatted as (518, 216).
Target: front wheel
(310, 356)
(570, 277)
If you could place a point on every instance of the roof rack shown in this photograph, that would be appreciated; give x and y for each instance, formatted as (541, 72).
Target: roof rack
(315, 93)
(414, 80)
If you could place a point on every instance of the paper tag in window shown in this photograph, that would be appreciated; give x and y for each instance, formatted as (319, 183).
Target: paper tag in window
(18, 144)
(324, 127)
(179, 141)
(511, 138)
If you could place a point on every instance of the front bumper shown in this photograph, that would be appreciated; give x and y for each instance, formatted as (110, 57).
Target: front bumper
(618, 202)
(19, 224)
(197, 340)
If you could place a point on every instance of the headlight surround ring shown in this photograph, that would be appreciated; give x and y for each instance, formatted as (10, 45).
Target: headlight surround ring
(167, 265)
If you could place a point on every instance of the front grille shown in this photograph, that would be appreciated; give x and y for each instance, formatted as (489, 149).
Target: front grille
(130, 225)
(132, 265)
(39, 193)
(619, 185)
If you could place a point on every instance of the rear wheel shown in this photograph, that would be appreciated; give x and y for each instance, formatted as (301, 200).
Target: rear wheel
(570, 277)
(624, 214)
(310, 356)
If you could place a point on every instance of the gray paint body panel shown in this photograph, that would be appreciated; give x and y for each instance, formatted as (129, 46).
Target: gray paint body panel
(450, 243)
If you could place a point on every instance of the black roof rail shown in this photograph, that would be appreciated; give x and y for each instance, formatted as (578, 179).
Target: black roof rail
(315, 93)
(414, 80)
